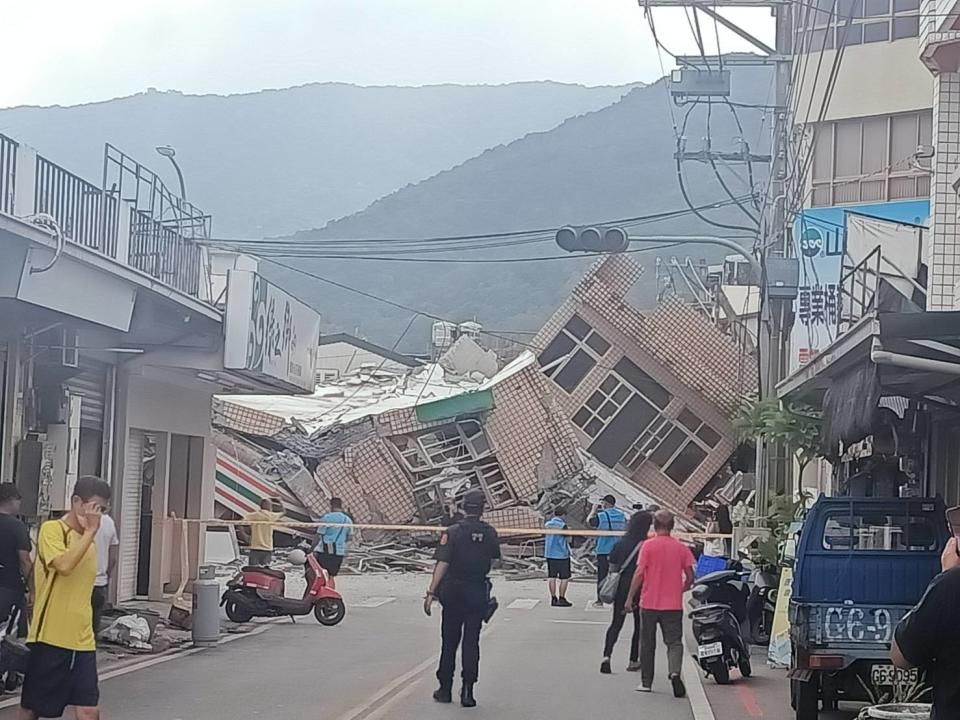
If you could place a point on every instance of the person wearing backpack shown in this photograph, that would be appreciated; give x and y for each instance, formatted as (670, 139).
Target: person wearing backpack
(623, 563)
(605, 516)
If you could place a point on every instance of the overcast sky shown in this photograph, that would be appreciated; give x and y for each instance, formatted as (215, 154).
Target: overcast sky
(72, 51)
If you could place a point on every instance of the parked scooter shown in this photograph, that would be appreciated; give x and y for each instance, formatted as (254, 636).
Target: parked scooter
(259, 592)
(720, 601)
(761, 606)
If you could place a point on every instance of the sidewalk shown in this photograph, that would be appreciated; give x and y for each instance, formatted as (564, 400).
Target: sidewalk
(764, 695)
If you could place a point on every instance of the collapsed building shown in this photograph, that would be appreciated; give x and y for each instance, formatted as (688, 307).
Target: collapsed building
(611, 401)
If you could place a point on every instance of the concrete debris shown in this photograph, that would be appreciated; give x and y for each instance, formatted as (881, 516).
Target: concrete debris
(466, 358)
(130, 631)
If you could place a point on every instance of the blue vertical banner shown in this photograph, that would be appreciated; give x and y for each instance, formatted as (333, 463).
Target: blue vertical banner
(819, 244)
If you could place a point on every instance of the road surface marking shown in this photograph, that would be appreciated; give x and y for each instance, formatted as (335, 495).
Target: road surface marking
(749, 701)
(590, 608)
(580, 622)
(523, 604)
(162, 658)
(373, 602)
(377, 704)
(699, 704)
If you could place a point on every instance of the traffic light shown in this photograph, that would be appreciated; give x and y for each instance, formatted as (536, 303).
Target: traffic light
(593, 239)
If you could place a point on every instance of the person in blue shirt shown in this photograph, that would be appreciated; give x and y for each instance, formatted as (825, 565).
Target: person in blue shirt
(332, 543)
(605, 516)
(557, 553)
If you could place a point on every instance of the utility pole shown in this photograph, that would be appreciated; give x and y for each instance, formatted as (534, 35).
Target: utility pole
(774, 236)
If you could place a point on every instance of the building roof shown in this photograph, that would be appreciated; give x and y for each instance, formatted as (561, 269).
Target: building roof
(371, 392)
(387, 353)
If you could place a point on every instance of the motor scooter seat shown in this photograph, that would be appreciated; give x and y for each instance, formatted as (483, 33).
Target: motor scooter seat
(279, 574)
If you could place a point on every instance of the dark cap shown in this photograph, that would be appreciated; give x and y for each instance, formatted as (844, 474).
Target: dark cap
(474, 500)
(610, 499)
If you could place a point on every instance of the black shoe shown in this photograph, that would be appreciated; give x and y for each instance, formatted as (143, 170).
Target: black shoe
(605, 667)
(563, 602)
(443, 695)
(679, 689)
(466, 696)
(554, 602)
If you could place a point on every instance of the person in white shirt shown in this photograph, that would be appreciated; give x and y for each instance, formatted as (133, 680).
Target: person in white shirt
(108, 550)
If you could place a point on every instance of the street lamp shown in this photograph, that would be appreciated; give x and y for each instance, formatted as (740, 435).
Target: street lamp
(170, 153)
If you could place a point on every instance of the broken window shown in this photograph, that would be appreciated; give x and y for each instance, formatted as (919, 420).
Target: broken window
(676, 447)
(573, 353)
(643, 383)
(602, 405)
(448, 445)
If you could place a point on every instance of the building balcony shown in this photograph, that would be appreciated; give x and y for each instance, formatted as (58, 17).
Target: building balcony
(130, 218)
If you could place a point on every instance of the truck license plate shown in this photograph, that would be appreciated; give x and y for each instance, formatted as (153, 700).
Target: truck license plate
(890, 675)
(709, 650)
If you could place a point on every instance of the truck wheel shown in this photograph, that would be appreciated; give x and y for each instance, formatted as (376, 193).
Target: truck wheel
(808, 699)
(721, 673)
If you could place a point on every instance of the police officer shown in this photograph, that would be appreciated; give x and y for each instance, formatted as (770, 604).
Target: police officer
(460, 583)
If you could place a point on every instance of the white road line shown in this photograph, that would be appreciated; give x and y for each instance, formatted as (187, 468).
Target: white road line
(523, 604)
(386, 691)
(579, 622)
(373, 602)
(699, 704)
(162, 658)
(590, 608)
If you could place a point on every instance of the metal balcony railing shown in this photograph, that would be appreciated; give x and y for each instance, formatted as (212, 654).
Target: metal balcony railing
(85, 213)
(162, 252)
(132, 217)
(8, 172)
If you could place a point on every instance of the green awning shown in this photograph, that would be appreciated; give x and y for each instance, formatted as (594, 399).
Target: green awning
(450, 407)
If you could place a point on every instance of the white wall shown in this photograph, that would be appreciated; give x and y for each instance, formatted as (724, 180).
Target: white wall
(153, 405)
(874, 79)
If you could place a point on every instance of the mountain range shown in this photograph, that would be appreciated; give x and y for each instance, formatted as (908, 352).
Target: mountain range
(277, 161)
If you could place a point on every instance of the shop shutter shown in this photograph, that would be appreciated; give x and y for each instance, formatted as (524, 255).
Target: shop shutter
(129, 520)
(91, 383)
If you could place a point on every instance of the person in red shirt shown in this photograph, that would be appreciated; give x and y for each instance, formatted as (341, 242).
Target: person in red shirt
(664, 573)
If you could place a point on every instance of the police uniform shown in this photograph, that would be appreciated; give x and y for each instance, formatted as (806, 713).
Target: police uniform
(469, 547)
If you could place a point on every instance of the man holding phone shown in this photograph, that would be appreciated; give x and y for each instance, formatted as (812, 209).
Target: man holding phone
(928, 637)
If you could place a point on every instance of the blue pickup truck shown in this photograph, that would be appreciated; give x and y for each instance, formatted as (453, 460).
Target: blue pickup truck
(861, 564)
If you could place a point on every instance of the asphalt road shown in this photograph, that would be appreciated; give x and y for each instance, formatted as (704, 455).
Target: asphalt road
(538, 663)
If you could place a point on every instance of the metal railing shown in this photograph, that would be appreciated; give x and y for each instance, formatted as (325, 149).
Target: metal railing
(8, 173)
(84, 212)
(164, 253)
(859, 288)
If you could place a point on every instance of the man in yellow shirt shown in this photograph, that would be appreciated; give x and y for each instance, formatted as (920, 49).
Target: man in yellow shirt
(62, 667)
(261, 532)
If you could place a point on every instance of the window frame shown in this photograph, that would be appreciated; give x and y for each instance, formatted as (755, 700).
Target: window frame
(581, 346)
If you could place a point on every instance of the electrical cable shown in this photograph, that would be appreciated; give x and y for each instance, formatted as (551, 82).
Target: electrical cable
(716, 171)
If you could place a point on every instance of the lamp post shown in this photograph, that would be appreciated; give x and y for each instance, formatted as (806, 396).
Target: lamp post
(171, 154)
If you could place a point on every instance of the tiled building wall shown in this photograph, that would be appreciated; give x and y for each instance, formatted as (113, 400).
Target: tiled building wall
(702, 368)
(522, 424)
(385, 487)
(944, 250)
(339, 480)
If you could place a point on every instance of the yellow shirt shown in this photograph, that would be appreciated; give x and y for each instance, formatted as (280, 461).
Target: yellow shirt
(63, 601)
(261, 536)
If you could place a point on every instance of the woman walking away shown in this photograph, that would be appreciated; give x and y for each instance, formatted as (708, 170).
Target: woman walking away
(624, 557)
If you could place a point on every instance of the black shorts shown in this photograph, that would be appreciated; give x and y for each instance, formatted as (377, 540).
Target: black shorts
(558, 568)
(56, 677)
(330, 562)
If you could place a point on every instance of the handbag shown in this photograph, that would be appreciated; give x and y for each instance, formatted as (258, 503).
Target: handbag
(611, 583)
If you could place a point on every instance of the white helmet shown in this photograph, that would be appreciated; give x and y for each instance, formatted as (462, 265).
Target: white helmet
(297, 557)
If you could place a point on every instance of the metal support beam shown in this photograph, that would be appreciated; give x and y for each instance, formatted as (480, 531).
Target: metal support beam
(735, 29)
(705, 156)
(727, 243)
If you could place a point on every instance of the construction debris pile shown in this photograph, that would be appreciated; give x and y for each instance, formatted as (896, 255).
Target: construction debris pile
(607, 406)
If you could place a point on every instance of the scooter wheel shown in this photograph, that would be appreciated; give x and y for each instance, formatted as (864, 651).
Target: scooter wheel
(745, 668)
(236, 613)
(721, 673)
(329, 611)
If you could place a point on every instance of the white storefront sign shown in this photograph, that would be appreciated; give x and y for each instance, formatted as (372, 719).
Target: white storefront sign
(270, 332)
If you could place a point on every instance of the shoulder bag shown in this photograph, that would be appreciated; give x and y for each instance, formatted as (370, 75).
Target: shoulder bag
(611, 583)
